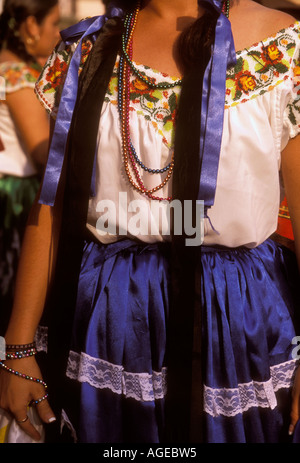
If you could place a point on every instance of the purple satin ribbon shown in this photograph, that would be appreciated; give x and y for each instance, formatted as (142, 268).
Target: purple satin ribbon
(83, 29)
(213, 106)
(212, 116)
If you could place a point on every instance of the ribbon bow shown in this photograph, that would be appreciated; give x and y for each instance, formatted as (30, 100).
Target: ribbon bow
(85, 28)
(213, 105)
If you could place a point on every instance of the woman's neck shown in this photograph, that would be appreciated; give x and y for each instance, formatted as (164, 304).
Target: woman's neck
(8, 56)
(172, 8)
(159, 24)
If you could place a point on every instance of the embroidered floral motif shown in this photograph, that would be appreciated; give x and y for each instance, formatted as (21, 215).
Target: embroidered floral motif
(57, 71)
(245, 81)
(273, 56)
(159, 107)
(87, 45)
(261, 68)
(258, 70)
(49, 85)
(293, 108)
(19, 75)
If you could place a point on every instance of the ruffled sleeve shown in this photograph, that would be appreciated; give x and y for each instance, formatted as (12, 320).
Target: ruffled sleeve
(51, 81)
(18, 75)
(291, 121)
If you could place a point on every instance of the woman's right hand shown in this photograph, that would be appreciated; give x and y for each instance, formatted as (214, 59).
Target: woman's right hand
(16, 393)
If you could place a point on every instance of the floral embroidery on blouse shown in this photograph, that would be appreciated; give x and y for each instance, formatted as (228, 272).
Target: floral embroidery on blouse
(262, 67)
(50, 83)
(19, 75)
(258, 70)
(157, 106)
(293, 108)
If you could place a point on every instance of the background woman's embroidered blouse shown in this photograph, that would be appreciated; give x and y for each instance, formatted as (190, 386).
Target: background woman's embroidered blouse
(14, 159)
(262, 114)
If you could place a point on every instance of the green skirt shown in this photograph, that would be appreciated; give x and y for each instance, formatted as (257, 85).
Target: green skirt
(16, 198)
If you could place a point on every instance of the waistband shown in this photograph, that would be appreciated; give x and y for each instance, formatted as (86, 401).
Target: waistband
(110, 249)
(102, 251)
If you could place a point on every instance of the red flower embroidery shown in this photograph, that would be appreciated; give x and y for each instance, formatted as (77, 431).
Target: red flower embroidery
(271, 54)
(138, 86)
(85, 51)
(56, 72)
(245, 81)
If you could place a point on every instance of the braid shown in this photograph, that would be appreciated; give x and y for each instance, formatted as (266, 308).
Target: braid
(196, 39)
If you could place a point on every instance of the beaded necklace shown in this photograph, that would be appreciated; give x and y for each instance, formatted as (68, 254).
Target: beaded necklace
(130, 157)
(226, 7)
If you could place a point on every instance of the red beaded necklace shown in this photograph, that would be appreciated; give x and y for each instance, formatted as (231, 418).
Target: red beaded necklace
(130, 158)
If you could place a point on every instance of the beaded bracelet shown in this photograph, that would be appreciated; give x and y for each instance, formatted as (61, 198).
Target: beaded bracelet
(22, 375)
(21, 354)
(30, 378)
(14, 347)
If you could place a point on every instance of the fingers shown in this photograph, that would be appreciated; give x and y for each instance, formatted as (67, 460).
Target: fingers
(25, 424)
(294, 418)
(44, 410)
(16, 394)
(25, 418)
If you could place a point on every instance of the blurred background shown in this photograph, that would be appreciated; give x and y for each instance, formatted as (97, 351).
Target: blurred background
(74, 10)
(290, 6)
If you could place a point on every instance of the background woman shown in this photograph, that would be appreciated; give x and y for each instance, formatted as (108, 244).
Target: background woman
(28, 33)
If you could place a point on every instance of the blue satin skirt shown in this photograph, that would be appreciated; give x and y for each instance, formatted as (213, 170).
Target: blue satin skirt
(117, 358)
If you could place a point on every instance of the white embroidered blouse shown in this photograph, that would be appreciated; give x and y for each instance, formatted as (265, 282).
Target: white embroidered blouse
(262, 114)
(14, 159)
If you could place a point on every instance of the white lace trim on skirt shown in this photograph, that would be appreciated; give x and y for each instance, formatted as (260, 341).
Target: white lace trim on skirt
(231, 402)
(145, 387)
(101, 374)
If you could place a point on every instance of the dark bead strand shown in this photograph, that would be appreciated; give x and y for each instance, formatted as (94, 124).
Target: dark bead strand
(123, 106)
(147, 169)
(145, 79)
(14, 347)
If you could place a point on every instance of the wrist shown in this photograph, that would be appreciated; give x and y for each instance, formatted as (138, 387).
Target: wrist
(18, 339)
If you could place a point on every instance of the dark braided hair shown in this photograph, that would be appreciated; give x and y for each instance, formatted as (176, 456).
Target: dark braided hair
(13, 15)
